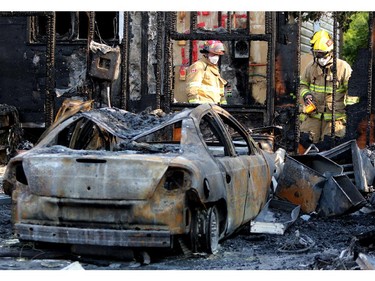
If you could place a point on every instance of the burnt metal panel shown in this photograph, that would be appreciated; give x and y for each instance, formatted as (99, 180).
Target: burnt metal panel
(349, 157)
(106, 65)
(319, 163)
(103, 237)
(303, 179)
(339, 196)
(275, 217)
(136, 180)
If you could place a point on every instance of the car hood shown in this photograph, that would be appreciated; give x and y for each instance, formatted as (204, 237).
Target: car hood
(65, 173)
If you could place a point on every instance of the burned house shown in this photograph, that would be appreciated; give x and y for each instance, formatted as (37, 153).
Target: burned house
(138, 60)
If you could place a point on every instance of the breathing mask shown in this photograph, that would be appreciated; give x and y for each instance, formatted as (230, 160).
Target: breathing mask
(324, 61)
(213, 59)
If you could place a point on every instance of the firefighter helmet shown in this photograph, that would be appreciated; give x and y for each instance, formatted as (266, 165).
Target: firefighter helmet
(213, 46)
(321, 41)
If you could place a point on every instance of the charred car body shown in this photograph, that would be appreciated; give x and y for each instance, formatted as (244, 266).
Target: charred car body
(108, 177)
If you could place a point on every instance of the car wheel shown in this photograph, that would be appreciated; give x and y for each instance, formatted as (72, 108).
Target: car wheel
(213, 231)
(194, 232)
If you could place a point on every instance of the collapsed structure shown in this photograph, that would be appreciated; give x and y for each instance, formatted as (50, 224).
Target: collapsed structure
(135, 60)
(138, 60)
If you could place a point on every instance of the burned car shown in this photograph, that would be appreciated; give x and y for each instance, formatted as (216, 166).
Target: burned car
(108, 177)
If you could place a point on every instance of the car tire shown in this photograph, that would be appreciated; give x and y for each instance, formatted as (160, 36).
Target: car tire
(194, 232)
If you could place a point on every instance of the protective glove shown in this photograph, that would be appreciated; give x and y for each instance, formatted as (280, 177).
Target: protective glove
(308, 99)
(223, 101)
(310, 105)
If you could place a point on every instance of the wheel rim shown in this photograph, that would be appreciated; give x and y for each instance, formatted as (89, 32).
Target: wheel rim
(213, 231)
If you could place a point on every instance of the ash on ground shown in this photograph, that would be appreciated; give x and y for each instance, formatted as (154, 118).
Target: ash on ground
(310, 243)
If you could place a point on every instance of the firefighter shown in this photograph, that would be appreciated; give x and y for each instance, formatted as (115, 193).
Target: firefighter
(203, 82)
(316, 87)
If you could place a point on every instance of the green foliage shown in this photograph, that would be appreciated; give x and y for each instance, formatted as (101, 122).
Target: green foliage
(343, 18)
(354, 26)
(356, 36)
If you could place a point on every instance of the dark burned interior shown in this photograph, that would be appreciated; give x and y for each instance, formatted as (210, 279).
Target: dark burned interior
(90, 132)
(119, 130)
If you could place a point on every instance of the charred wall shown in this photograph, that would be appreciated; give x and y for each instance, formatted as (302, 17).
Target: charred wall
(357, 113)
(286, 78)
(142, 51)
(22, 72)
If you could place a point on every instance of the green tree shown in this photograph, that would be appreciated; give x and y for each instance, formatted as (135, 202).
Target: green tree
(355, 36)
(354, 26)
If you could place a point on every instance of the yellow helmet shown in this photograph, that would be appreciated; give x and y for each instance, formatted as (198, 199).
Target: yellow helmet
(321, 41)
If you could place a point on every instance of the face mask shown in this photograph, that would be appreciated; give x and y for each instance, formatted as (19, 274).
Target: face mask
(214, 59)
(324, 61)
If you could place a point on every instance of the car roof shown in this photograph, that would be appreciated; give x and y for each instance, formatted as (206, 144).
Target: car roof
(130, 126)
(127, 125)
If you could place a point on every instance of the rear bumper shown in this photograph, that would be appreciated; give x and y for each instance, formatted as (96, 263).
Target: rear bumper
(86, 236)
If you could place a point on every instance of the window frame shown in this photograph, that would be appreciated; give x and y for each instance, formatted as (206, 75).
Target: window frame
(232, 37)
(37, 32)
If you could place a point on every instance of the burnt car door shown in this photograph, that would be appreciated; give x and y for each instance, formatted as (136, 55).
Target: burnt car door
(251, 165)
(234, 169)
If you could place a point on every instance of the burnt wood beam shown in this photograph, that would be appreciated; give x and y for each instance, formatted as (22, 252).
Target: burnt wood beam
(50, 70)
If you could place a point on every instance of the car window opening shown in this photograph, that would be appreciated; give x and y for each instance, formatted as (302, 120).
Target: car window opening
(211, 136)
(239, 141)
(166, 139)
